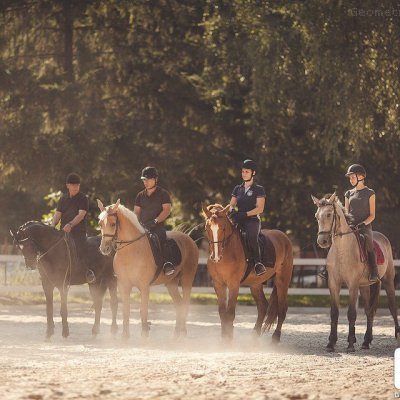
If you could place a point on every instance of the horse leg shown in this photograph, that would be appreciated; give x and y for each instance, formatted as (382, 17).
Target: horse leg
(334, 289)
(282, 283)
(220, 290)
(126, 309)
(365, 294)
(64, 311)
(48, 292)
(186, 282)
(97, 291)
(112, 288)
(388, 281)
(144, 310)
(177, 299)
(231, 311)
(352, 316)
(262, 306)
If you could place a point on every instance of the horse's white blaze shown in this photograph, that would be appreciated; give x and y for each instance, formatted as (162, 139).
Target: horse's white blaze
(21, 246)
(214, 229)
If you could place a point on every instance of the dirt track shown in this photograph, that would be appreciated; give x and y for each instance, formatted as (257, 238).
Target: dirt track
(199, 367)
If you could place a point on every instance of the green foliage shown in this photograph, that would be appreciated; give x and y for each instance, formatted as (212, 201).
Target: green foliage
(104, 88)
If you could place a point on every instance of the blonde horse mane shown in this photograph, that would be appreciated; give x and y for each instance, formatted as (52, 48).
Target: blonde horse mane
(132, 217)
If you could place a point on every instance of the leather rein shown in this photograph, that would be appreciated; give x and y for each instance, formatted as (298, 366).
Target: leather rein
(333, 229)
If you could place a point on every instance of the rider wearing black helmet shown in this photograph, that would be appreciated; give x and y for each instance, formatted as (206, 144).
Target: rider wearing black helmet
(250, 200)
(360, 205)
(72, 209)
(153, 206)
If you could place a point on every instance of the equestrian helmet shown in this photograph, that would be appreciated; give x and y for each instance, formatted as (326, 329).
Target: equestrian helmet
(73, 179)
(249, 164)
(356, 169)
(149, 173)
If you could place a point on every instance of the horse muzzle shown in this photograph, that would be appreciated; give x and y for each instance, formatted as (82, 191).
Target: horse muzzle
(106, 247)
(324, 240)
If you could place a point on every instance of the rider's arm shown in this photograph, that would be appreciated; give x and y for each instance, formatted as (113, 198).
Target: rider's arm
(259, 207)
(346, 204)
(56, 218)
(371, 217)
(165, 212)
(137, 210)
(232, 203)
(75, 221)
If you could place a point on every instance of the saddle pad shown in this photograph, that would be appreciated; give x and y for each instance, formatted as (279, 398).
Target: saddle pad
(380, 258)
(175, 256)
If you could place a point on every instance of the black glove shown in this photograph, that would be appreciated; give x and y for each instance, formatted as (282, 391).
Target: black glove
(361, 225)
(149, 225)
(238, 217)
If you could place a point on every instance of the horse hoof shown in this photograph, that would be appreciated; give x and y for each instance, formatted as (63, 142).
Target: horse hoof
(351, 349)
(95, 331)
(276, 339)
(365, 346)
(114, 329)
(330, 348)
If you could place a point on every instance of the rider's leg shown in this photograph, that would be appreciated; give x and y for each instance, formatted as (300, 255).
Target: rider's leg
(161, 233)
(367, 232)
(80, 240)
(253, 227)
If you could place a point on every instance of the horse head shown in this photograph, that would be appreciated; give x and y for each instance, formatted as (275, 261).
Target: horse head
(218, 228)
(328, 219)
(108, 222)
(26, 240)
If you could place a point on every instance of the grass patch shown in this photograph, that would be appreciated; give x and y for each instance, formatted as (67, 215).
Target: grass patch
(196, 298)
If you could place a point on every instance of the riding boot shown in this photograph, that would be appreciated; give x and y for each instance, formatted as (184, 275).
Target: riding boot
(168, 267)
(374, 276)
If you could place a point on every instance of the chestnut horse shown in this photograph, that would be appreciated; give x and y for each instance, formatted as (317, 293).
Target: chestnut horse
(134, 264)
(344, 265)
(227, 266)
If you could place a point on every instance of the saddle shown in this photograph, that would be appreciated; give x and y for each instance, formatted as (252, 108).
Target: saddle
(380, 258)
(175, 256)
(267, 252)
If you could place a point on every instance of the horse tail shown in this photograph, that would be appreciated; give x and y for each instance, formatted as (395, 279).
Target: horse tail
(272, 311)
(374, 296)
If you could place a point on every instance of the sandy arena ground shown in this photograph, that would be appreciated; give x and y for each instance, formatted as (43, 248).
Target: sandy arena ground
(198, 367)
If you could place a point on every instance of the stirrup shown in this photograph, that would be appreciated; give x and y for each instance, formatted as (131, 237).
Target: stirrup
(168, 268)
(90, 277)
(259, 268)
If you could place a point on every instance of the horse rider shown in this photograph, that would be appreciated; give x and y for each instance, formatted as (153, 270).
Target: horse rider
(360, 206)
(153, 206)
(72, 210)
(250, 201)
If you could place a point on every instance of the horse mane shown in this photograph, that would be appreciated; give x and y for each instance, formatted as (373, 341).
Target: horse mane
(132, 217)
(324, 202)
(216, 206)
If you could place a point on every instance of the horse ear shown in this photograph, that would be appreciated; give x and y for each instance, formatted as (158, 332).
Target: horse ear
(206, 212)
(225, 210)
(116, 205)
(100, 205)
(12, 233)
(332, 198)
(315, 200)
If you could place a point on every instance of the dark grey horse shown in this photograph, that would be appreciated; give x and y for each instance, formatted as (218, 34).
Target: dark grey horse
(52, 253)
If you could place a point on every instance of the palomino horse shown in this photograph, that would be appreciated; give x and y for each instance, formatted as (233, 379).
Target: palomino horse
(49, 250)
(134, 264)
(227, 266)
(344, 265)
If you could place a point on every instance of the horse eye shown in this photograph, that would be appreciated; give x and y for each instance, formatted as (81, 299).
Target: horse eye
(112, 224)
(328, 215)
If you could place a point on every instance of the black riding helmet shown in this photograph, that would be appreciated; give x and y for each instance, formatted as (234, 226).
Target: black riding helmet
(356, 169)
(73, 179)
(149, 173)
(249, 164)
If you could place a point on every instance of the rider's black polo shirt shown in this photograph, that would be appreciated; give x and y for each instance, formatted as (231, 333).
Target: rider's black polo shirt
(151, 206)
(69, 208)
(247, 200)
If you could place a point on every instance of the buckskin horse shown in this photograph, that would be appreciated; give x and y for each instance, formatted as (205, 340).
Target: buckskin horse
(228, 269)
(345, 265)
(51, 252)
(135, 265)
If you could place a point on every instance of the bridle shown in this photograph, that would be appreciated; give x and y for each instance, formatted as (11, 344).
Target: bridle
(114, 236)
(221, 242)
(332, 232)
